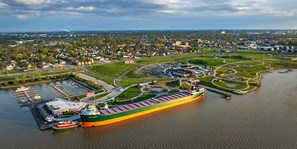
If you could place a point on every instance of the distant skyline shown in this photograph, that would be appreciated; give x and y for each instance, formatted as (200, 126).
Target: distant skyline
(57, 15)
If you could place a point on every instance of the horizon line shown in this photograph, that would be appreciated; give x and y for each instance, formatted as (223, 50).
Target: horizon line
(127, 30)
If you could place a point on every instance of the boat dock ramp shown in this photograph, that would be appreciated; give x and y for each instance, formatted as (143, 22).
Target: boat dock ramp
(60, 91)
(223, 93)
(26, 96)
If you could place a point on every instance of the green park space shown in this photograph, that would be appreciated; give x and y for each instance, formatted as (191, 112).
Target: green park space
(129, 93)
(140, 98)
(206, 61)
(230, 85)
(111, 70)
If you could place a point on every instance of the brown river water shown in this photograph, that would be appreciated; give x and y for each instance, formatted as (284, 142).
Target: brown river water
(266, 118)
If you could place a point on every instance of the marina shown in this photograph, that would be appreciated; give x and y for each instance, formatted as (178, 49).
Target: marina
(80, 85)
(25, 96)
(53, 101)
(60, 91)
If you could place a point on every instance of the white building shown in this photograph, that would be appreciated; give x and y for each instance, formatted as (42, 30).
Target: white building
(60, 106)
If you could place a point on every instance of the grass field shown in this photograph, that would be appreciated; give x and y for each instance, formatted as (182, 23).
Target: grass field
(167, 59)
(129, 93)
(231, 84)
(206, 61)
(250, 72)
(140, 98)
(111, 70)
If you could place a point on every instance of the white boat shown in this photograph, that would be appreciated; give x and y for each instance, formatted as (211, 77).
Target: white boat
(37, 97)
(24, 100)
(22, 88)
(50, 118)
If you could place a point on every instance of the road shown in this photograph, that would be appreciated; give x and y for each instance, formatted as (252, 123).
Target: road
(117, 81)
(108, 87)
(112, 91)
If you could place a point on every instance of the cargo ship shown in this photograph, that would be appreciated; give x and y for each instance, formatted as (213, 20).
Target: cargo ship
(91, 116)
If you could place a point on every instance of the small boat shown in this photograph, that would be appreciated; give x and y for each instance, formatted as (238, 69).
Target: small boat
(50, 118)
(24, 100)
(37, 97)
(22, 88)
(64, 125)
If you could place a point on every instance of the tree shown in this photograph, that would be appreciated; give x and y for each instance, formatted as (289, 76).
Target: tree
(32, 78)
(16, 80)
(23, 64)
(47, 78)
(23, 79)
(54, 77)
(39, 78)
(5, 84)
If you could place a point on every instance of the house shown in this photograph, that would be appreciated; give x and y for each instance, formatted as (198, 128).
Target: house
(9, 67)
(46, 65)
(129, 61)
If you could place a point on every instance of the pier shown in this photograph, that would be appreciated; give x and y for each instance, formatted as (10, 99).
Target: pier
(223, 93)
(80, 85)
(25, 97)
(60, 91)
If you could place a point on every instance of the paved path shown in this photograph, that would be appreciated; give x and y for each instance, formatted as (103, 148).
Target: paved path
(215, 71)
(112, 91)
(117, 81)
(107, 86)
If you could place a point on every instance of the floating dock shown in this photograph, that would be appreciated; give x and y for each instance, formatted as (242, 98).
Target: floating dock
(26, 97)
(60, 91)
(223, 93)
(80, 85)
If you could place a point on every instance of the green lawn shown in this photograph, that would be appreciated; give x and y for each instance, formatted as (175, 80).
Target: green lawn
(168, 59)
(250, 72)
(111, 70)
(222, 70)
(106, 79)
(206, 80)
(129, 93)
(140, 98)
(100, 96)
(226, 84)
(128, 82)
(206, 61)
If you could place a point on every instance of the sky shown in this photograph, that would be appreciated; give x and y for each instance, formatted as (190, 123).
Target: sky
(85, 15)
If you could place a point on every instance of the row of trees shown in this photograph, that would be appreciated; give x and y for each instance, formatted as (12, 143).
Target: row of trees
(89, 83)
(32, 78)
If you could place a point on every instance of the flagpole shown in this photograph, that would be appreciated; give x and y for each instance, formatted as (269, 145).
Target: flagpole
(94, 98)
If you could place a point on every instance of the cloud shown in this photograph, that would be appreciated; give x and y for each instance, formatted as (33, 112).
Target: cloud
(145, 8)
(3, 5)
(285, 13)
(22, 17)
(31, 2)
(81, 8)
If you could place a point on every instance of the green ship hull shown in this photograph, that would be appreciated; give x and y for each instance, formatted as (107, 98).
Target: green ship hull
(101, 119)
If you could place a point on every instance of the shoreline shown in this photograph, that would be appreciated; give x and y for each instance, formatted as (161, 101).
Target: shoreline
(26, 84)
(285, 70)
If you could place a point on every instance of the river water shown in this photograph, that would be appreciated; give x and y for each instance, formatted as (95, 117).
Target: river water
(265, 118)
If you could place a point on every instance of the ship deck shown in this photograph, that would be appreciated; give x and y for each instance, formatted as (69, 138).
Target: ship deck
(145, 103)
